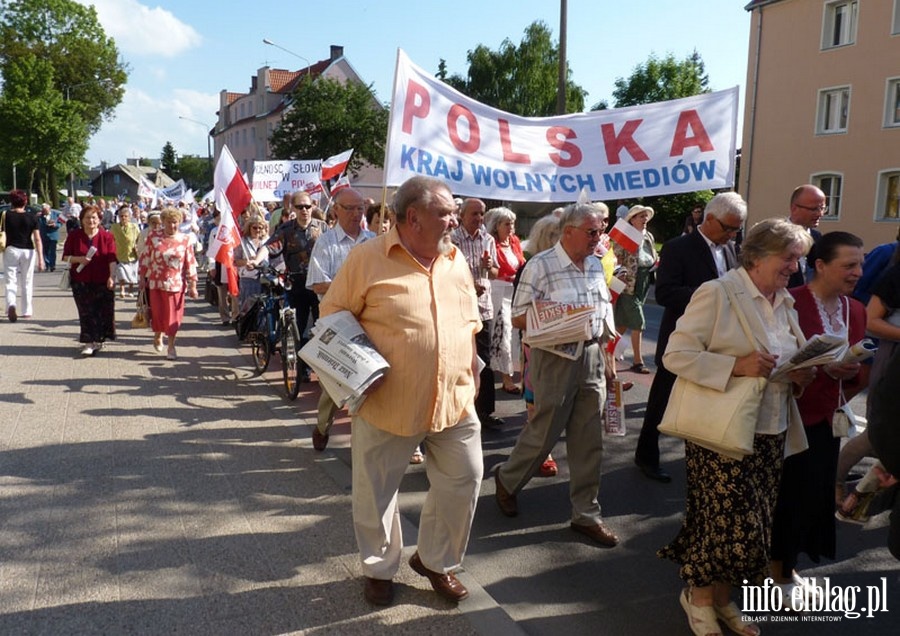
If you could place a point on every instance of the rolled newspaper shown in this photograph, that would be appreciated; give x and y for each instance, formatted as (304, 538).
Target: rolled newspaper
(89, 256)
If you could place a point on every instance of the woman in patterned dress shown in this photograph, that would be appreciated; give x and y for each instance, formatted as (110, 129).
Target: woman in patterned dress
(725, 536)
(168, 267)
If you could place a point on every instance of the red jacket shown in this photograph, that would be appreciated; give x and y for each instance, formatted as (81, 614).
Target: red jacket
(820, 399)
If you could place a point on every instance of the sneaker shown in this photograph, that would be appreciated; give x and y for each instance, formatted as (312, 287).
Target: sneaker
(11, 313)
(87, 350)
(171, 354)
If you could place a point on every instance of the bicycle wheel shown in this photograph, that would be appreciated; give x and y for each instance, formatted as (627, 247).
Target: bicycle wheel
(260, 351)
(290, 358)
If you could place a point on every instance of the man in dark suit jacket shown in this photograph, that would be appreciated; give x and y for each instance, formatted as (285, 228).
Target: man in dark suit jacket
(686, 262)
(808, 205)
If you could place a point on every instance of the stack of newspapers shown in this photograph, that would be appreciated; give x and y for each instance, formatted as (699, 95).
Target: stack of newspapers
(824, 349)
(560, 328)
(343, 358)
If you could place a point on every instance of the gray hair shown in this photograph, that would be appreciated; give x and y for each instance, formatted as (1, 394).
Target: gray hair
(724, 204)
(417, 189)
(544, 234)
(770, 237)
(494, 216)
(574, 213)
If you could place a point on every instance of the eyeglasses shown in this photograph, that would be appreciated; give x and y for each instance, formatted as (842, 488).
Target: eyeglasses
(353, 208)
(728, 229)
(302, 206)
(818, 208)
(592, 233)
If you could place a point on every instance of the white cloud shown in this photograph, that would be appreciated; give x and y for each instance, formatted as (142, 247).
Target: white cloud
(144, 123)
(142, 31)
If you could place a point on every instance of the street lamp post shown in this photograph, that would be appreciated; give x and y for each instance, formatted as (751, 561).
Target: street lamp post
(208, 145)
(278, 46)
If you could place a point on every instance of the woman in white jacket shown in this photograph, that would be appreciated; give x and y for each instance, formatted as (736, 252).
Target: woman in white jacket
(725, 536)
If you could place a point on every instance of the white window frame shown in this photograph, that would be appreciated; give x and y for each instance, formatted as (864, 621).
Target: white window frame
(833, 200)
(892, 103)
(828, 120)
(882, 193)
(848, 10)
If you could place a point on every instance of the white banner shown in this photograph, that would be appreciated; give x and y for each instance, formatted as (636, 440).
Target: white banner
(174, 193)
(681, 145)
(273, 179)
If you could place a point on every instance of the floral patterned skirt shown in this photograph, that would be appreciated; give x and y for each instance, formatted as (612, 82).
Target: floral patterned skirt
(727, 528)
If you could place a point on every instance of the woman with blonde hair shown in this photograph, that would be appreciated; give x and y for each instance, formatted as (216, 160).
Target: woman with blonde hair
(169, 269)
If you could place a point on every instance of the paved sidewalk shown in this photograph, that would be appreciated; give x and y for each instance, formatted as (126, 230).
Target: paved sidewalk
(142, 496)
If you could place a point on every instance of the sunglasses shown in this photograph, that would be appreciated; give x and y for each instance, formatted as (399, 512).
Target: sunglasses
(302, 206)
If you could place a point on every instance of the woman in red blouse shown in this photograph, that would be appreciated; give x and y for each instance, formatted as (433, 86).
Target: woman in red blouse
(167, 267)
(501, 224)
(91, 253)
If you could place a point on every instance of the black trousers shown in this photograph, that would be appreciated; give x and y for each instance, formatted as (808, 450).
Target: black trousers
(305, 304)
(485, 403)
(647, 451)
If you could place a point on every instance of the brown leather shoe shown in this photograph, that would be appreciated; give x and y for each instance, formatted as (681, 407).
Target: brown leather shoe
(599, 533)
(320, 440)
(505, 501)
(378, 591)
(446, 585)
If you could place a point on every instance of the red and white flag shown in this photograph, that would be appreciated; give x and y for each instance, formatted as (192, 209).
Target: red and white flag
(626, 235)
(232, 197)
(340, 184)
(616, 287)
(335, 166)
(312, 187)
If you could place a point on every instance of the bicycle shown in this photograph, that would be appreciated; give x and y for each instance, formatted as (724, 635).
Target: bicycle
(276, 330)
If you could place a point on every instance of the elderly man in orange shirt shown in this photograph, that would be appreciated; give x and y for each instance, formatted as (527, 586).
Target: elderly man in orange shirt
(412, 292)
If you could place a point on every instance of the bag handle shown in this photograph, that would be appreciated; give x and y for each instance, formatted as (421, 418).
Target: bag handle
(738, 310)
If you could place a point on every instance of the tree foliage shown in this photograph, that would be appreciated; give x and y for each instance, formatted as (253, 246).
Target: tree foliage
(169, 161)
(57, 65)
(196, 173)
(327, 117)
(658, 80)
(518, 79)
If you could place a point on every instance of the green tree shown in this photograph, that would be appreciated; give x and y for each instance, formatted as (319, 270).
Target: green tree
(82, 65)
(327, 117)
(658, 80)
(518, 79)
(195, 172)
(169, 161)
(41, 131)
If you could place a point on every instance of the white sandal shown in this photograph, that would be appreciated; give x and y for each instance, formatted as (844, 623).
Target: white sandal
(732, 617)
(702, 620)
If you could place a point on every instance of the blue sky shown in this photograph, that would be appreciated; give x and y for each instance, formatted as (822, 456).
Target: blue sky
(181, 53)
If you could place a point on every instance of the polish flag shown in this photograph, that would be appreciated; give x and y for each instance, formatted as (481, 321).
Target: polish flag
(232, 197)
(627, 236)
(335, 166)
(312, 187)
(340, 184)
(616, 287)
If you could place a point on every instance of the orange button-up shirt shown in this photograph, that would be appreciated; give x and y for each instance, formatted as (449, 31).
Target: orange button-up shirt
(423, 322)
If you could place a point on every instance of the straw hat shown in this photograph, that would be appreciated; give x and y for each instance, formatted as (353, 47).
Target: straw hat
(637, 209)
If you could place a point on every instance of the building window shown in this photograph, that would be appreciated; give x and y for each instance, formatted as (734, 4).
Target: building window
(892, 103)
(117, 178)
(888, 200)
(831, 184)
(895, 30)
(834, 109)
(839, 27)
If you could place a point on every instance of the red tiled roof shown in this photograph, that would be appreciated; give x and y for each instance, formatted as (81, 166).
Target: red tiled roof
(279, 78)
(231, 98)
